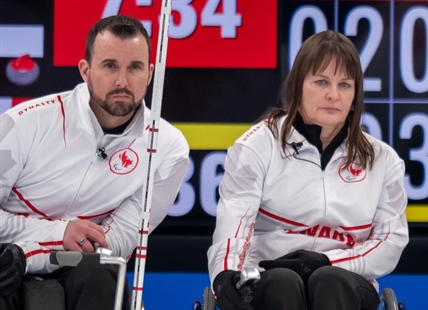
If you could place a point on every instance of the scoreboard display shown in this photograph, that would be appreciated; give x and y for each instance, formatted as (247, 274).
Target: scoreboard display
(225, 64)
(392, 40)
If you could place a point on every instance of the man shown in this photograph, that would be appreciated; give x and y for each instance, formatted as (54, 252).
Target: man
(73, 168)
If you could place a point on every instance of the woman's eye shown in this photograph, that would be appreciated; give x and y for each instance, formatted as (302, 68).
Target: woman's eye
(321, 82)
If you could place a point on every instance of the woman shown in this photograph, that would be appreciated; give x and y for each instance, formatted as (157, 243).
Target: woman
(308, 198)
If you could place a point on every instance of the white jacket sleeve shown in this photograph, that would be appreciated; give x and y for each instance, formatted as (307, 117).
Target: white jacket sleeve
(240, 195)
(41, 235)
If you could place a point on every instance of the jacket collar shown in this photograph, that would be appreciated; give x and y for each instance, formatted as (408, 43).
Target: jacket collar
(306, 137)
(80, 96)
(312, 134)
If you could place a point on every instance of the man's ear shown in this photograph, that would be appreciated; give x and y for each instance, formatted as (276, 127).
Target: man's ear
(150, 74)
(84, 69)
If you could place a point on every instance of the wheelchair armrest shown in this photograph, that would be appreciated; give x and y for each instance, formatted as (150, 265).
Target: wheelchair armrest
(73, 259)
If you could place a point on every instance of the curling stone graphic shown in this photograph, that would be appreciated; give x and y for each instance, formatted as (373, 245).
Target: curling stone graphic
(22, 70)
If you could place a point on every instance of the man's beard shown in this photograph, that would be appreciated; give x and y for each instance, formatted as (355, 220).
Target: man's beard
(115, 107)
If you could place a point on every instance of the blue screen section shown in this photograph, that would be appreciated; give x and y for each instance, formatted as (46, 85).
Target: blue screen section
(172, 290)
(179, 290)
(410, 290)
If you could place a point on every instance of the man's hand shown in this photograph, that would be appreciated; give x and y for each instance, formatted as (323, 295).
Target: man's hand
(81, 236)
(12, 267)
(228, 297)
(301, 261)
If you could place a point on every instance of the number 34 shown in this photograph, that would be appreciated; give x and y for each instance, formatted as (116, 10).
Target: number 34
(228, 20)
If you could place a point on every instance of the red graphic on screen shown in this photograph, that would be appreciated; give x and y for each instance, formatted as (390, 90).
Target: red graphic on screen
(203, 34)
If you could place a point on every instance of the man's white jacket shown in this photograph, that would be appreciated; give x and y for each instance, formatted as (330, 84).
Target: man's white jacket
(274, 202)
(50, 174)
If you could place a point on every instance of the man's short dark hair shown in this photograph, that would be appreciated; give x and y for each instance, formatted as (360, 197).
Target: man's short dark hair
(122, 26)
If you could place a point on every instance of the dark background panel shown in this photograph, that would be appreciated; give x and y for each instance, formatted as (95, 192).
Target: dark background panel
(379, 65)
(197, 221)
(52, 79)
(287, 10)
(381, 112)
(418, 46)
(411, 139)
(218, 95)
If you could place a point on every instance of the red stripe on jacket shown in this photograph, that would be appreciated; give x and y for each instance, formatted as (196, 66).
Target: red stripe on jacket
(356, 227)
(87, 217)
(37, 252)
(27, 203)
(341, 260)
(281, 219)
(63, 118)
(52, 243)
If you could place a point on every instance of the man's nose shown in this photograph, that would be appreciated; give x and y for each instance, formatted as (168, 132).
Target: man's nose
(121, 80)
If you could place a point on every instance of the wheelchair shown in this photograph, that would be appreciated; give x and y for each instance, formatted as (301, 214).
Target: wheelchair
(388, 299)
(49, 294)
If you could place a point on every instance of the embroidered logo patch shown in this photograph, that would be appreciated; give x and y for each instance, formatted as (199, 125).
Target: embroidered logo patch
(354, 173)
(123, 161)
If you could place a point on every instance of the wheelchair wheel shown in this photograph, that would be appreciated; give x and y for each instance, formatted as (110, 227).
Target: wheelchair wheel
(197, 305)
(389, 300)
(209, 300)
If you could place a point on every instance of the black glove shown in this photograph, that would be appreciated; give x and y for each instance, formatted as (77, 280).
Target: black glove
(301, 261)
(12, 267)
(228, 297)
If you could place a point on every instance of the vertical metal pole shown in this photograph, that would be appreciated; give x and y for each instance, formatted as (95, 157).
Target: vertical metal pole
(143, 233)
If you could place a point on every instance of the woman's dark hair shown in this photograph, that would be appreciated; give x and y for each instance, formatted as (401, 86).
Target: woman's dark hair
(314, 56)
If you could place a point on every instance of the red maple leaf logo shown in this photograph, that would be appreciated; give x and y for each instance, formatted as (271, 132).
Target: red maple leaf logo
(355, 172)
(125, 160)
